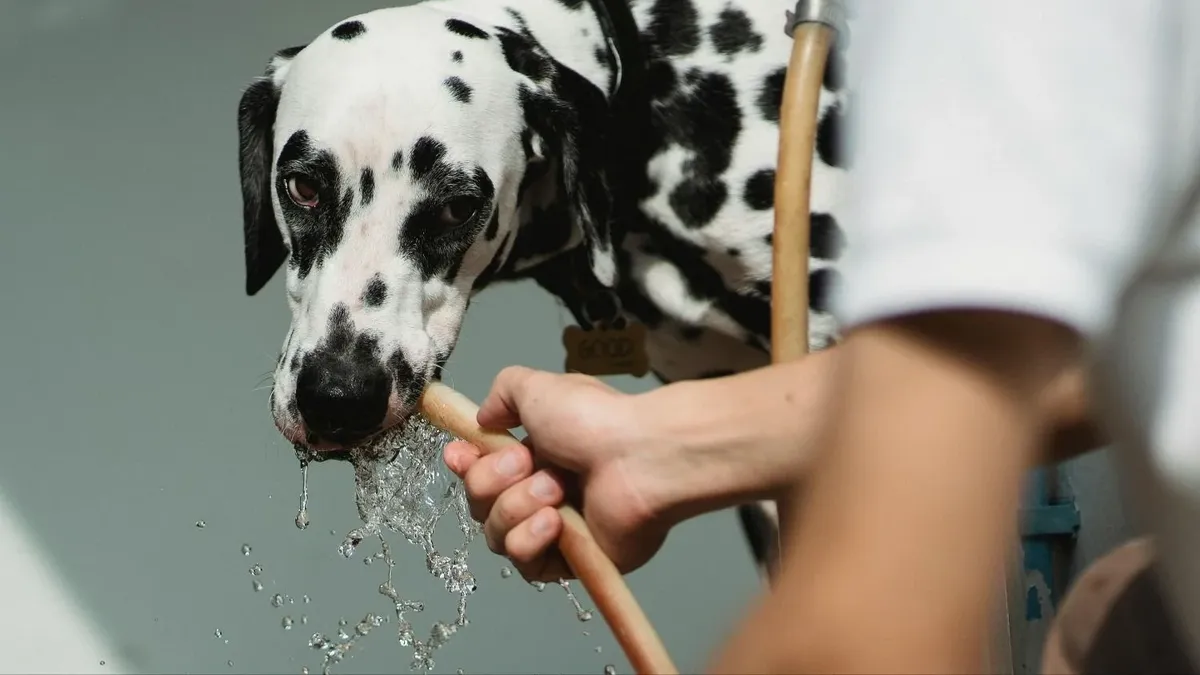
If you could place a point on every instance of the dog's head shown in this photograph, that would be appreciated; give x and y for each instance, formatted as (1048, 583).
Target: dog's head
(384, 165)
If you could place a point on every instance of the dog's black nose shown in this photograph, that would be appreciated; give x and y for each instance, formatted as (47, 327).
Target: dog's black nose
(342, 400)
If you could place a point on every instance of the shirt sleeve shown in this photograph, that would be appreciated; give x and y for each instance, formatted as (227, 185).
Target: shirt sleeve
(1004, 154)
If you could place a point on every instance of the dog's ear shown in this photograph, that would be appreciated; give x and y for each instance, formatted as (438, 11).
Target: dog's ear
(265, 250)
(559, 118)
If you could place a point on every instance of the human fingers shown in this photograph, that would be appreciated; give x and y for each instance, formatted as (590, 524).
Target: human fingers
(492, 474)
(501, 408)
(530, 546)
(519, 503)
(460, 456)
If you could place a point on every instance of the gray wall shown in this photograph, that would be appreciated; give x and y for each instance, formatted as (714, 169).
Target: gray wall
(131, 357)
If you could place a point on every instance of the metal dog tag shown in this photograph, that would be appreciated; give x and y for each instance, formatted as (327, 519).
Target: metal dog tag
(607, 351)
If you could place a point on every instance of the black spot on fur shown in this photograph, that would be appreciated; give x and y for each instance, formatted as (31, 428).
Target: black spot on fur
(489, 273)
(826, 240)
(762, 534)
(601, 55)
(367, 186)
(290, 52)
(427, 154)
(702, 116)
(460, 90)
(423, 235)
(523, 57)
(691, 333)
(571, 4)
(456, 56)
(821, 287)
(316, 232)
(660, 79)
(759, 193)
(829, 137)
(733, 251)
(405, 378)
(674, 27)
(697, 200)
(376, 292)
(770, 95)
(398, 160)
(835, 71)
(460, 27)
(348, 30)
(733, 32)
(769, 238)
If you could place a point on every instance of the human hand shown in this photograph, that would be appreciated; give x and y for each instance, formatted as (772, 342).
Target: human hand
(584, 442)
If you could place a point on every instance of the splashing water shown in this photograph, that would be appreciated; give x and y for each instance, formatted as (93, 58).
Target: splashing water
(610, 670)
(580, 613)
(302, 513)
(401, 486)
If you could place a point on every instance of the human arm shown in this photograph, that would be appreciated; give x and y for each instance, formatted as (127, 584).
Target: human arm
(901, 534)
(644, 462)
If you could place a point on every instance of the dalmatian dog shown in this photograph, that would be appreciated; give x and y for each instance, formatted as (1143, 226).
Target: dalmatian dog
(621, 153)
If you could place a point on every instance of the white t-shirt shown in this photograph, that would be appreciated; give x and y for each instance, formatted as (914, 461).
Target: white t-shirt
(1029, 155)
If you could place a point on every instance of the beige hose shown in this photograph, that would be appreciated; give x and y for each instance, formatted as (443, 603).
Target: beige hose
(812, 39)
(455, 413)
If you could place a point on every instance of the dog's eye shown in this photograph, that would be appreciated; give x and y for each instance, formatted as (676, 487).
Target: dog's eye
(303, 191)
(457, 211)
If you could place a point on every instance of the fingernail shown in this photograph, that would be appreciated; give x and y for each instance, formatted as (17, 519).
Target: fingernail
(541, 524)
(543, 487)
(509, 463)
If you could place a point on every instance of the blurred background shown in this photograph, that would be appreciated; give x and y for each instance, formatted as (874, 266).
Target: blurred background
(133, 407)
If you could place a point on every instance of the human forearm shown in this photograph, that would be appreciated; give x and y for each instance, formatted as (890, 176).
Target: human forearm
(907, 513)
(735, 439)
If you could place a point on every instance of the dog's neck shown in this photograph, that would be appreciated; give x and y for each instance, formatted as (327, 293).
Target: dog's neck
(544, 231)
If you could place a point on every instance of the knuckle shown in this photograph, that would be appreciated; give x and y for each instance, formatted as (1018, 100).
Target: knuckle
(507, 510)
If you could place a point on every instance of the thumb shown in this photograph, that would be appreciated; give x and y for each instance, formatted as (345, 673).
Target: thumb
(501, 408)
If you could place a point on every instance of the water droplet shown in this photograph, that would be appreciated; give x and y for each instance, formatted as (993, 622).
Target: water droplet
(306, 599)
(245, 549)
(302, 519)
(229, 663)
(304, 670)
(505, 573)
(539, 585)
(201, 524)
(217, 634)
(333, 532)
(586, 634)
(256, 585)
(610, 670)
(585, 615)
(277, 600)
(304, 619)
(459, 671)
(343, 622)
(599, 649)
(256, 570)
(102, 663)
(288, 623)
